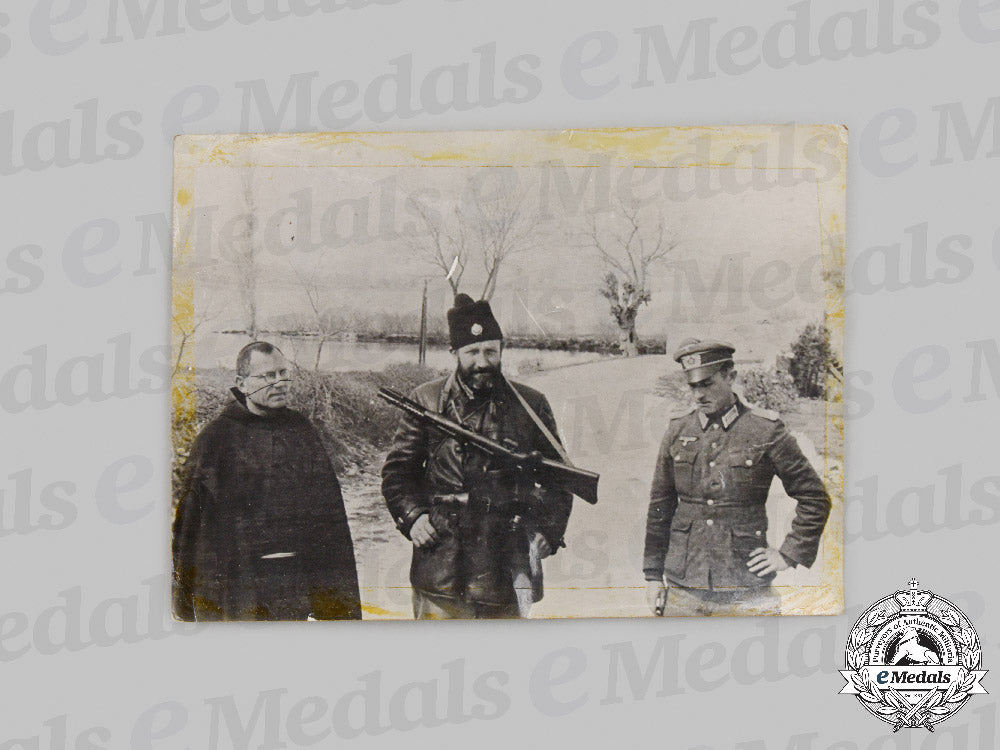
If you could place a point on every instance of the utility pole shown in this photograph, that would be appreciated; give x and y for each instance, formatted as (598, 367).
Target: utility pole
(422, 353)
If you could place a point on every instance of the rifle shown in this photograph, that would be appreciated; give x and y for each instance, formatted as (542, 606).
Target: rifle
(546, 472)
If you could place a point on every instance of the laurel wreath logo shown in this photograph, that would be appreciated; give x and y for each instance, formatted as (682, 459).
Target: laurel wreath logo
(936, 705)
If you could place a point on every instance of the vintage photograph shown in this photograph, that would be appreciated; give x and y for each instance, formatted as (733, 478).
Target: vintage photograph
(508, 374)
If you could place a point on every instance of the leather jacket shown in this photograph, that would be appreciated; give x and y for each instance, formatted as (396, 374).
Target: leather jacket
(482, 512)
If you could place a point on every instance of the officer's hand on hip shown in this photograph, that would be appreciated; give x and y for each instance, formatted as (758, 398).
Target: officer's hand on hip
(656, 596)
(766, 560)
(423, 533)
(541, 545)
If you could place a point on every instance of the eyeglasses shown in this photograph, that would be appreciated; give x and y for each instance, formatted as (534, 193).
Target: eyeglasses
(271, 377)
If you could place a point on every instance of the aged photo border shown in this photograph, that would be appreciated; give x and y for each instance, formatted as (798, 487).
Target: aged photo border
(667, 147)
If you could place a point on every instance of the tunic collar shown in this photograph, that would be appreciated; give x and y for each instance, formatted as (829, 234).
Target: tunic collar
(726, 420)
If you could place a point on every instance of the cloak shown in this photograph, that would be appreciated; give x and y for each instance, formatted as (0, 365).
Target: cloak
(260, 531)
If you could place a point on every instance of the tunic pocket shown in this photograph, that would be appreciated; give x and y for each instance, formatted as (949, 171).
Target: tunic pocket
(748, 469)
(675, 564)
(747, 538)
(684, 470)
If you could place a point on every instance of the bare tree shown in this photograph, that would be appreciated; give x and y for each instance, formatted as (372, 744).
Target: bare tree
(628, 248)
(442, 244)
(186, 333)
(501, 225)
(489, 225)
(327, 325)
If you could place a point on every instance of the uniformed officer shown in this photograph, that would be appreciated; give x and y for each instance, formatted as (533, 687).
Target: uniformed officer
(706, 548)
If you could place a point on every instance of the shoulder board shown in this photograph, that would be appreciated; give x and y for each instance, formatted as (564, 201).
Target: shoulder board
(772, 416)
(682, 412)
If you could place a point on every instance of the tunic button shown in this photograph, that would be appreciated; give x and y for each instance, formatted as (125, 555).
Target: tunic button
(712, 502)
(709, 522)
(711, 463)
(715, 445)
(749, 462)
(757, 533)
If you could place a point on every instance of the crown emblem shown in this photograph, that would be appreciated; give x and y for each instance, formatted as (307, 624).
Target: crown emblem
(476, 329)
(913, 602)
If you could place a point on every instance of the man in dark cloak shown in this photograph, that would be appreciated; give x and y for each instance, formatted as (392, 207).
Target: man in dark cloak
(260, 531)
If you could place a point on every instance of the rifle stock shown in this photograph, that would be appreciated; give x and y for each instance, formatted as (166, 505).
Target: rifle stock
(547, 472)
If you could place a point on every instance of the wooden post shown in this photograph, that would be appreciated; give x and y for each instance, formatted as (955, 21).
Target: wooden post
(422, 353)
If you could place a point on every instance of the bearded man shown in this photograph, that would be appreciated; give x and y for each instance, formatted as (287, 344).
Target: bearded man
(478, 529)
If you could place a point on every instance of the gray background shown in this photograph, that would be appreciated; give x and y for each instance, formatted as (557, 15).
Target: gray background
(90, 658)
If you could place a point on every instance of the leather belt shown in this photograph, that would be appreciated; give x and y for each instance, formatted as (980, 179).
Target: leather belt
(480, 504)
(724, 508)
(454, 498)
(714, 502)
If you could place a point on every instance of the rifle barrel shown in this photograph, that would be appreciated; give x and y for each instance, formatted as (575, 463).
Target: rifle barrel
(580, 482)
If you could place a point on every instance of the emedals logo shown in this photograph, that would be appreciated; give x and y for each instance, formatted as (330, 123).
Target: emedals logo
(913, 659)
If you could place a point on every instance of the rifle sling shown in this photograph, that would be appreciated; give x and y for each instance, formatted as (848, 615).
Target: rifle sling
(553, 441)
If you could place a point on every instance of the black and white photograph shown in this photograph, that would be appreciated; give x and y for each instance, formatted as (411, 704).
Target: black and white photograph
(648, 349)
(508, 374)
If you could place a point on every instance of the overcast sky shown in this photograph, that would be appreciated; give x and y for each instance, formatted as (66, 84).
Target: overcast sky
(368, 262)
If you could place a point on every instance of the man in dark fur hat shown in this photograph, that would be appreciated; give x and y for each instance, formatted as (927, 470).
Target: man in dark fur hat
(478, 530)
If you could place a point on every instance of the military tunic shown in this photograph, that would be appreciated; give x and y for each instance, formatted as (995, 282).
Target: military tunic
(707, 503)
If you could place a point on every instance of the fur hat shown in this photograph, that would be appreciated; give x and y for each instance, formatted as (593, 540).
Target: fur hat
(471, 322)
